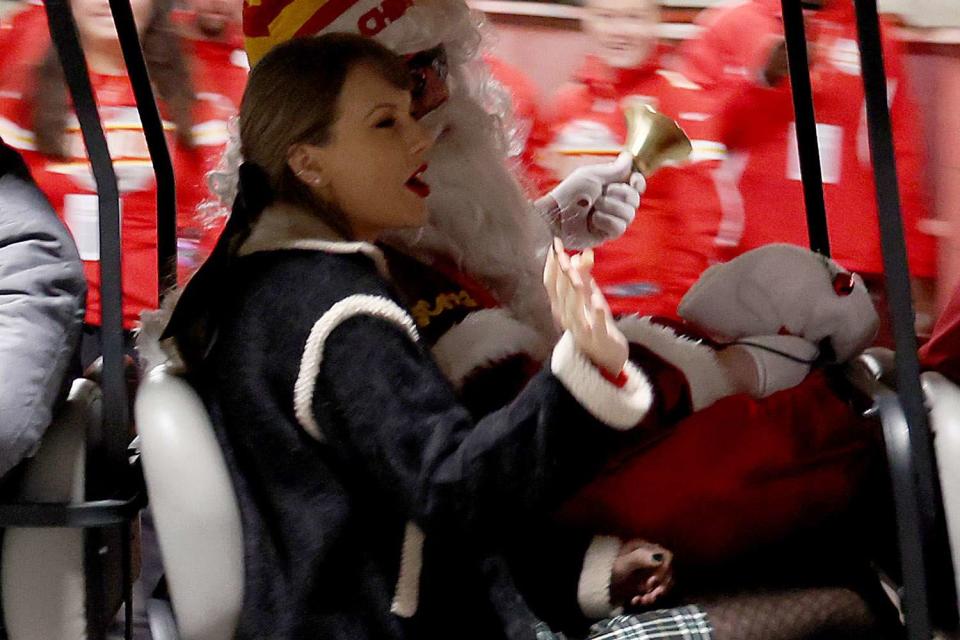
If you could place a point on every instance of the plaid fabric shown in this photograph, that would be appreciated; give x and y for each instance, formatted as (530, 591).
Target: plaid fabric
(679, 623)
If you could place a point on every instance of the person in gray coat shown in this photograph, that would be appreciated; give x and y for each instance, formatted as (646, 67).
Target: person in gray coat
(42, 298)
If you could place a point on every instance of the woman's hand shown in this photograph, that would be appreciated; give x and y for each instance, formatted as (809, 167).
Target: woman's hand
(580, 308)
(642, 574)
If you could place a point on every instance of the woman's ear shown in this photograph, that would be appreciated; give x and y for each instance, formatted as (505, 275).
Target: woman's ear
(305, 164)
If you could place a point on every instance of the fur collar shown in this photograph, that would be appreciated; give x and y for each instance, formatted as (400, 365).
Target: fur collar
(286, 226)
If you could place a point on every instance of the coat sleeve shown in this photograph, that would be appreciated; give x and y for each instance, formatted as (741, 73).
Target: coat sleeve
(387, 408)
(42, 293)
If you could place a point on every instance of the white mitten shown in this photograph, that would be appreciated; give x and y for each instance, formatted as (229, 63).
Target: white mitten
(763, 365)
(594, 203)
(784, 289)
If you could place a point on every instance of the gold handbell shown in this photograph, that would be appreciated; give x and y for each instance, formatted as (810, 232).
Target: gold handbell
(653, 139)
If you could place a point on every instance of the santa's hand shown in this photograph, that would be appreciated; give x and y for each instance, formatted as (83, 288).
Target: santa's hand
(763, 365)
(580, 308)
(642, 574)
(595, 203)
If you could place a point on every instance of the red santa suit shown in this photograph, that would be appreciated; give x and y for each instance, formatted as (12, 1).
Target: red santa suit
(783, 463)
(791, 460)
(674, 236)
(69, 185)
(763, 201)
(788, 461)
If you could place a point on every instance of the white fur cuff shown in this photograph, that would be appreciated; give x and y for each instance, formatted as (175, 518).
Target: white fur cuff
(619, 408)
(483, 338)
(706, 377)
(593, 590)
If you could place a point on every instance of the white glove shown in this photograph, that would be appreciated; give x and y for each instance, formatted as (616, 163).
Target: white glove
(763, 365)
(594, 203)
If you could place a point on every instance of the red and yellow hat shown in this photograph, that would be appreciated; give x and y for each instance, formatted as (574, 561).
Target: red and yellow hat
(267, 23)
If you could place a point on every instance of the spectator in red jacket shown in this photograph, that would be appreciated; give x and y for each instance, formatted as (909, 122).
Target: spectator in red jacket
(214, 40)
(525, 125)
(23, 38)
(741, 57)
(36, 119)
(212, 31)
(674, 236)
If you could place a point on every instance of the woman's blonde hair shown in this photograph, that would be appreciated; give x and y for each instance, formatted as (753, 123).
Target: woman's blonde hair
(292, 98)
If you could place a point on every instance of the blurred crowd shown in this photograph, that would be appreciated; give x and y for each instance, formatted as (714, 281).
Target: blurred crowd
(728, 88)
(195, 58)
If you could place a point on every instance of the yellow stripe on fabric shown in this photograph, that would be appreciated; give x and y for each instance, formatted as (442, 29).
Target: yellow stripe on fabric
(293, 16)
(257, 48)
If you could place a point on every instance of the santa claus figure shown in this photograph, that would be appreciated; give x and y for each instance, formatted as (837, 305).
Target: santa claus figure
(471, 279)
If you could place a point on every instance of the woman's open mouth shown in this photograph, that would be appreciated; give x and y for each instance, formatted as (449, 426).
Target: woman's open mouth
(416, 184)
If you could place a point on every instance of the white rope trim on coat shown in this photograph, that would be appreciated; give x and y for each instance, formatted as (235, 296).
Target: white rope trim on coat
(407, 593)
(356, 305)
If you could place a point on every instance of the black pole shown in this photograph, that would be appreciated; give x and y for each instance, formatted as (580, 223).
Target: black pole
(63, 32)
(808, 146)
(156, 144)
(896, 437)
(897, 277)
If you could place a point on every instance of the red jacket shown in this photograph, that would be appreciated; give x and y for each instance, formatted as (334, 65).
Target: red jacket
(219, 65)
(765, 201)
(219, 69)
(24, 40)
(675, 234)
(526, 126)
(69, 185)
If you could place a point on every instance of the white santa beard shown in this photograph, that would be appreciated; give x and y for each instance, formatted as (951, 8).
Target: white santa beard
(479, 216)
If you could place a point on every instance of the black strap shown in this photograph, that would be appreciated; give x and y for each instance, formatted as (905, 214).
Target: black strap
(64, 35)
(928, 518)
(806, 129)
(156, 144)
